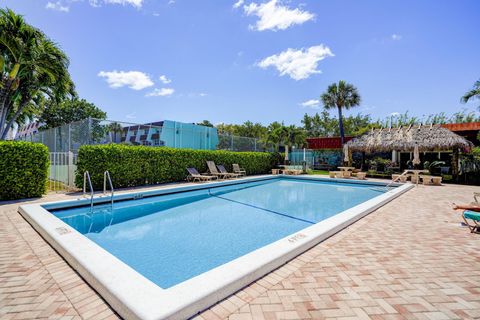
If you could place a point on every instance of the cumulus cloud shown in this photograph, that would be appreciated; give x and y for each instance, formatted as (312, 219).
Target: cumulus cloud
(164, 79)
(237, 4)
(163, 92)
(298, 64)
(57, 6)
(135, 80)
(274, 16)
(394, 114)
(135, 3)
(396, 37)
(312, 103)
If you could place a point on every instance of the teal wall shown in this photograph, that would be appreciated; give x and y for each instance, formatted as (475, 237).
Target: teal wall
(188, 135)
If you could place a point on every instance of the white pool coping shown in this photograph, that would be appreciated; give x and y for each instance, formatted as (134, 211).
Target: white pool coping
(133, 296)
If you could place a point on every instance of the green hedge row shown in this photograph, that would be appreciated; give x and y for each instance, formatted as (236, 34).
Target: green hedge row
(131, 166)
(23, 169)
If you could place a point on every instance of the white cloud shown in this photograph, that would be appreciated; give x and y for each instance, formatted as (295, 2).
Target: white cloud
(171, 2)
(163, 92)
(394, 114)
(298, 64)
(132, 115)
(135, 80)
(275, 16)
(396, 37)
(135, 3)
(164, 79)
(203, 94)
(57, 6)
(312, 103)
(237, 4)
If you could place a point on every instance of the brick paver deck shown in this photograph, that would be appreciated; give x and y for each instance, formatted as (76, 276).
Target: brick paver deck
(410, 259)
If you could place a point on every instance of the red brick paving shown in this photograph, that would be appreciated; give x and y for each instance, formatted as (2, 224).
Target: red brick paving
(410, 259)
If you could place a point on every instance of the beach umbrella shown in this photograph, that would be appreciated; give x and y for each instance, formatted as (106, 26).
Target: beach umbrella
(346, 157)
(286, 152)
(416, 156)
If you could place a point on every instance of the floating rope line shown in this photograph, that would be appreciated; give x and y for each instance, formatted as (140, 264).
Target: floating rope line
(268, 210)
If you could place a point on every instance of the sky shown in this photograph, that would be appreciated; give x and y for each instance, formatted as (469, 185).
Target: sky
(262, 60)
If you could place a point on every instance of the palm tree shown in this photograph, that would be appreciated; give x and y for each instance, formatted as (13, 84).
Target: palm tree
(472, 94)
(341, 96)
(31, 65)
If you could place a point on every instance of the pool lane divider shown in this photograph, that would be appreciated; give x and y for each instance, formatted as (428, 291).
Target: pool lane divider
(260, 208)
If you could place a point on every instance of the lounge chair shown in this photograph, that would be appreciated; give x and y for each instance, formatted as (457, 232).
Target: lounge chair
(194, 175)
(474, 217)
(222, 169)
(237, 169)
(212, 168)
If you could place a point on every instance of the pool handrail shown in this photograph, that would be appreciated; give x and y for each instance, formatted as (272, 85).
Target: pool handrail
(106, 175)
(86, 177)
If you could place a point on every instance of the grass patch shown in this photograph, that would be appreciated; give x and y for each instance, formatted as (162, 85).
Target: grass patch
(322, 172)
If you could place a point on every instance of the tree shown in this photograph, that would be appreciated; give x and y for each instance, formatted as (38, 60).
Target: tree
(68, 111)
(205, 123)
(474, 93)
(341, 96)
(31, 67)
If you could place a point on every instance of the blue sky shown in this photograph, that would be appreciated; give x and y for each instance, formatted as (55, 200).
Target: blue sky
(262, 60)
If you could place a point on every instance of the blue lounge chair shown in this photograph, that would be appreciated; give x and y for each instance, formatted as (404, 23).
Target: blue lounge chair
(474, 217)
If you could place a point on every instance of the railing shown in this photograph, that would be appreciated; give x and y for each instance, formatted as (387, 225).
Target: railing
(106, 175)
(86, 177)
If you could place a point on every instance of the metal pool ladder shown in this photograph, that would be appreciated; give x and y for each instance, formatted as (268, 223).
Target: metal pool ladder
(86, 177)
(106, 175)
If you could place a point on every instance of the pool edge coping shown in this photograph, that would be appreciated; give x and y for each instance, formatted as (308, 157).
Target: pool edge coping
(135, 297)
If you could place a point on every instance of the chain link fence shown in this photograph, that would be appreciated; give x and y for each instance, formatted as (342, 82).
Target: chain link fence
(69, 137)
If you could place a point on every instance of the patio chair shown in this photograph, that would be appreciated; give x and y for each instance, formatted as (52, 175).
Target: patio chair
(222, 169)
(237, 169)
(212, 168)
(361, 175)
(437, 181)
(474, 217)
(194, 175)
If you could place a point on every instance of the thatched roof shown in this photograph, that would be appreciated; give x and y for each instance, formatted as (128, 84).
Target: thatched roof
(428, 138)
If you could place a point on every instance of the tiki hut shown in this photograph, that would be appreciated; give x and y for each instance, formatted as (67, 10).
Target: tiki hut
(426, 137)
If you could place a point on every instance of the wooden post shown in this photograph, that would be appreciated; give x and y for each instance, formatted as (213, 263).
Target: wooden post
(455, 164)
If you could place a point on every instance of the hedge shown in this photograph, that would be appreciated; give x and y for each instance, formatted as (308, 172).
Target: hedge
(131, 166)
(23, 169)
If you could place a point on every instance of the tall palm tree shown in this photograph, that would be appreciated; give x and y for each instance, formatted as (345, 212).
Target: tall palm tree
(472, 94)
(31, 65)
(341, 96)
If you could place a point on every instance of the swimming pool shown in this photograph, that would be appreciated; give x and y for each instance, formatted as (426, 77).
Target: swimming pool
(223, 235)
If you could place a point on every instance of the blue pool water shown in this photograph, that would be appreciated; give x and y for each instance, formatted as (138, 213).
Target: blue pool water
(172, 238)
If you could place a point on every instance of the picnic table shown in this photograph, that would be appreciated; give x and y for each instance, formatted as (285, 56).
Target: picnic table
(346, 171)
(416, 173)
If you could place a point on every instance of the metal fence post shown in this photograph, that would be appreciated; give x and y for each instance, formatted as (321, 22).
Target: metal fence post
(69, 138)
(70, 169)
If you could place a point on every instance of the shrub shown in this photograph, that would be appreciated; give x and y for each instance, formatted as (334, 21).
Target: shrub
(131, 166)
(23, 169)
